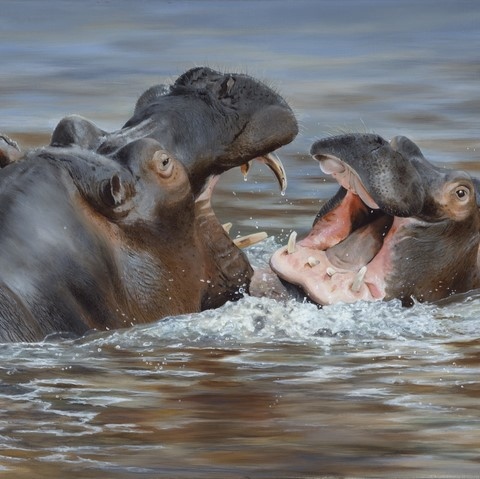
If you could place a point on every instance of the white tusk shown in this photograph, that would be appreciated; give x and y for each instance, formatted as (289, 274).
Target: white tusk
(358, 280)
(249, 240)
(292, 240)
(330, 271)
(227, 227)
(312, 261)
(274, 163)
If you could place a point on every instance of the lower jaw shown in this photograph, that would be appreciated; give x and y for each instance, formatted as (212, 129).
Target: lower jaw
(324, 283)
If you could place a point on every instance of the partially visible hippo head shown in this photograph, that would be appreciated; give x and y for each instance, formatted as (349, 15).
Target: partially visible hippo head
(88, 241)
(398, 227)
(211, 122)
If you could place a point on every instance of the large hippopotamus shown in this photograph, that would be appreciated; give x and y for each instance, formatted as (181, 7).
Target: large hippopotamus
(398, 227)
(211, 122)
(105, 230)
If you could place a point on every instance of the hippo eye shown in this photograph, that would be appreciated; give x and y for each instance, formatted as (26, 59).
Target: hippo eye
(462, 193)
(162, 163)
(165, 160)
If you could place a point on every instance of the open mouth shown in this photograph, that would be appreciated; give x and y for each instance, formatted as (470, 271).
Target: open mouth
(346, 254)
(203, 201)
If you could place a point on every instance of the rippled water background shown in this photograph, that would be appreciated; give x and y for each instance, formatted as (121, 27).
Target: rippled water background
(258, 388)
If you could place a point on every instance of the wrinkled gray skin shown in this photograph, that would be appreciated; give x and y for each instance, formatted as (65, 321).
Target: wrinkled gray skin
(104, 230)
(211, 122)
(415, 227)
(76, 242)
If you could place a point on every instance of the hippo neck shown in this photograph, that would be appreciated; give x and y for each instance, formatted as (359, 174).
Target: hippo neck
(161, 276)
(227, 267)
(448, 262)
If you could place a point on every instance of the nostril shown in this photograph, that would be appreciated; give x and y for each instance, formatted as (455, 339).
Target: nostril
(330, 165)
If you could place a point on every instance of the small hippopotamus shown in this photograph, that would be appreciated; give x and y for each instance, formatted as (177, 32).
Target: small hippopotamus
(122, 232)
(398, 227)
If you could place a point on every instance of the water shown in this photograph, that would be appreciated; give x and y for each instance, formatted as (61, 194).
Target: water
(257, 388)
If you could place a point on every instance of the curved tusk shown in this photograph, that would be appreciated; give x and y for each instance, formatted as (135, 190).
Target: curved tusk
(274, 163)
(245, 168)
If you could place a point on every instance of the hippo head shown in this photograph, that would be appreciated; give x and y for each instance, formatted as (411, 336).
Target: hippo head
(211, 122)
(398, 227)
(141, 186)
(90, 241)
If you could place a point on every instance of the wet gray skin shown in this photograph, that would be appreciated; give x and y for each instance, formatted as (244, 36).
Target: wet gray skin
(399, 227)
(211, 122)
(91, 242)
(96, 235)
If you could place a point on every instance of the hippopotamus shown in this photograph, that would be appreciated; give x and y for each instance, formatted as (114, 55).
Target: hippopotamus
(211, 122)
(398, 227)
(103, 236)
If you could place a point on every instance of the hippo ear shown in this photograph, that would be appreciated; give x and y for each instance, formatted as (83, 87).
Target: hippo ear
(113, 197)
(76, 130)
(406, 147)
(114, 192)
(9, 151)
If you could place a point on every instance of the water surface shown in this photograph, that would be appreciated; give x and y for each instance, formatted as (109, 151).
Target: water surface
(257, 388)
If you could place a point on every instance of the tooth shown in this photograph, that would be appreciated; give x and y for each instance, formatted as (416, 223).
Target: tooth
(358, 280)
(227, 227)
(330, 271)
(249, 240)
(245, 168)
(274, 163)
(291, 242)
(312, 261)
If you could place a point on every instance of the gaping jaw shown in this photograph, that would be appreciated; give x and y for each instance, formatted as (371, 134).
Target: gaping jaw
(230, 270)
(397, 228)
(345, 257)
(203, 201)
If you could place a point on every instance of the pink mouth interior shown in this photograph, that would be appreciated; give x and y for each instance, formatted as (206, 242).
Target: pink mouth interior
(348, 252)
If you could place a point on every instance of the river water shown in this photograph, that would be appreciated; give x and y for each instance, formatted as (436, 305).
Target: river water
(256, 388)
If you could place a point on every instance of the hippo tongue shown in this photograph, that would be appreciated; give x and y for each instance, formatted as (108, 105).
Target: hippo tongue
(361, 246)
